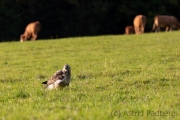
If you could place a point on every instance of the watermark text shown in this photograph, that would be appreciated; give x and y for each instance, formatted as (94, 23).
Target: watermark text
(159, 113)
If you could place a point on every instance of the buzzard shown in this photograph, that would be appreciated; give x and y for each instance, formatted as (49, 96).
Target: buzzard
(61, 78)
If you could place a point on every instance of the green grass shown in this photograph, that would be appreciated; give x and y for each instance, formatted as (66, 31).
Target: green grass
(113, 77)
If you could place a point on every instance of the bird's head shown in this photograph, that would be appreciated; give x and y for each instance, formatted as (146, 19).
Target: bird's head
(66, 68)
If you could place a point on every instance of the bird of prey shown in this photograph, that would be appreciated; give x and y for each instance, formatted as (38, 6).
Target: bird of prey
(61, 78)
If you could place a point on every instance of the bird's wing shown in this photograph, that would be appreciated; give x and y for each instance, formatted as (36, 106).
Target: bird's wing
(57, 76)
(51, 81)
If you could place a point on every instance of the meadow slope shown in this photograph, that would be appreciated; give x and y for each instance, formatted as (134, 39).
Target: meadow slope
(113, 77)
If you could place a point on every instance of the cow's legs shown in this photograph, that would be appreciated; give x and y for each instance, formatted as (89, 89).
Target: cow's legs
(167, 28)
(142, 29)
(170, 29)
(136, 30)
(158, 29)
(155, 28)
(34, 36)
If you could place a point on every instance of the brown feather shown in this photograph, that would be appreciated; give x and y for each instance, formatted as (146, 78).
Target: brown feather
(64, 75)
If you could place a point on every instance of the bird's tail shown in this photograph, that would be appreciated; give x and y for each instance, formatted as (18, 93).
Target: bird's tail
(45, 82)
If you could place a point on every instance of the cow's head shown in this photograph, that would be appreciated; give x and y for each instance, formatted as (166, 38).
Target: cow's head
(22, 38)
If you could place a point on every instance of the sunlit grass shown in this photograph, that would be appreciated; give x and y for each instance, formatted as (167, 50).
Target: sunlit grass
(111, 76)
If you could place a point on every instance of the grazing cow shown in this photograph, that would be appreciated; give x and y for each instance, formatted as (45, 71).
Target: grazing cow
(165, 21)
(31, 31)
(129, 30)
(139, 24)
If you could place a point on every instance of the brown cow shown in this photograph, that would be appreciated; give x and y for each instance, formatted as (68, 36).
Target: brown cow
(139, 24)
(31, 31)
(129, 30)
(165, 21)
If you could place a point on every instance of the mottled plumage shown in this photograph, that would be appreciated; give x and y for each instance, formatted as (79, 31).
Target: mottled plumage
(61, 78)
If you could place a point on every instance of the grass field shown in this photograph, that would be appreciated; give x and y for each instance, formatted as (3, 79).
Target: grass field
(113, 77)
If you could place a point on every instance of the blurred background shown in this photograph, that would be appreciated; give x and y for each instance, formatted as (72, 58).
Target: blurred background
(71, 18)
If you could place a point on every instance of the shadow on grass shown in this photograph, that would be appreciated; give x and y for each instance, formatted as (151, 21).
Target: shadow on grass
(155, 81)
(40, 77)
(84, 76)
(22, 94)
(10, 80)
